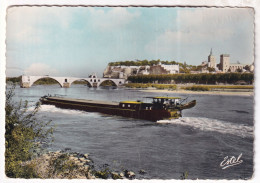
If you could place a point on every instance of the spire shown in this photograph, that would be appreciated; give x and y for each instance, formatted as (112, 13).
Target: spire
(211, 51)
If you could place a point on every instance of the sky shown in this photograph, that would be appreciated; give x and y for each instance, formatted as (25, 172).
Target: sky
(79, 41)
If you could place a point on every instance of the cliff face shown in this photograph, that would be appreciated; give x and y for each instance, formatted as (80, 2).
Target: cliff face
(157, 69)
(123, 72)
(107, 72)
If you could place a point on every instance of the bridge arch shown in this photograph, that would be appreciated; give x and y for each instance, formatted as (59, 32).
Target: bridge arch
(34, 79)
(88, 82)
(108, 80)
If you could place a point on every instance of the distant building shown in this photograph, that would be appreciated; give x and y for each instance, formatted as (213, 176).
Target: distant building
(224, 62)
(171, 69)
(164, 69)
(211, 60)
(126, 71)
(236, 67)
(252, 67)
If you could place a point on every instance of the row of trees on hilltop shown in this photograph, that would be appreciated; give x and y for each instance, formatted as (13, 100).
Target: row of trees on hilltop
(203, 78)
(143, 63)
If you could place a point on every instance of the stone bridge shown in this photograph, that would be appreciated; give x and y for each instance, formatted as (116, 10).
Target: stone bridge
(65, 82)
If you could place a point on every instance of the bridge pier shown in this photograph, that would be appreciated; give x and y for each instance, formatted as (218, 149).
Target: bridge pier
(95, 85)
(25, 85)
(66, 85)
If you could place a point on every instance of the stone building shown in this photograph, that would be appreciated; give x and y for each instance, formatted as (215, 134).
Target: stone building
(171, 69)
(236, 67)
(224, 62)
(211, 60)
(164, 69)
(252, 67)
(124, 72)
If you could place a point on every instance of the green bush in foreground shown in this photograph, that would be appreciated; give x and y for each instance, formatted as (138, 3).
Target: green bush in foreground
(23, 131)
(62, 165)
(103, 174)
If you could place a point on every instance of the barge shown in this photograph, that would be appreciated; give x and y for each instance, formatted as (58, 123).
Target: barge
(160, 108)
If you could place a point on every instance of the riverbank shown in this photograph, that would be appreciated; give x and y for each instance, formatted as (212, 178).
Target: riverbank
(239, 93)
(72, 165)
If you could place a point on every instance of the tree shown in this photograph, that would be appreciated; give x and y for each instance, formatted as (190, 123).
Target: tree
(239, 70)
(23, 132)
(210, 69)
(201, 78)
(247, 67)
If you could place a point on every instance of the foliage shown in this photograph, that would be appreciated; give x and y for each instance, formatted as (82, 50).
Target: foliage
(147, 85)
(210, 87)
(103, 173)
(108, 83)
(115, 176)
(196, 88)
(80, 82)
(184, 175)
(231, 86)
(184, 70)
(203, 78)
(144, 63)
(210, 69)
(247, 67)
(45, 81)
(62, 165)
(23, 131)
(14, 79)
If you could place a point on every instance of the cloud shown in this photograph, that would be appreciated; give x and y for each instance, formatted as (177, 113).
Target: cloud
(38, 69)
(33, 24)
(200, 27)
(114, 18)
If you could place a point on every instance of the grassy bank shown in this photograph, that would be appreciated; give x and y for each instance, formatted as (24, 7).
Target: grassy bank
(193, 87)
(211, 87)
(148, 85)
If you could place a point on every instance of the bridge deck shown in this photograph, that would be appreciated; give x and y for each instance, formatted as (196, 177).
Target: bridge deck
(85, 101)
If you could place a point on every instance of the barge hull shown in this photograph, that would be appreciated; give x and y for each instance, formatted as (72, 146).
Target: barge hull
(106, 108)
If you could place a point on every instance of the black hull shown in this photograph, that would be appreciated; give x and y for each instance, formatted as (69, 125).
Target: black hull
(111, 109)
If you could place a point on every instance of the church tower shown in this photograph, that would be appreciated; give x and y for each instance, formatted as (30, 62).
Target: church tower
(211, 60)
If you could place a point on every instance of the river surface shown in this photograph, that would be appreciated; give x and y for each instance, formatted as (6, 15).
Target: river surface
(218, 126)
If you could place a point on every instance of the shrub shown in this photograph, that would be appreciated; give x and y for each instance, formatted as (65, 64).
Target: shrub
(202, 78)
(23, 130)
(209, 87)
(62, 165)
(196, 88)
(146, 85)
(103, 174)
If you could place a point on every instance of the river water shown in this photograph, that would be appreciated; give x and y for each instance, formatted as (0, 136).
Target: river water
(218, 126)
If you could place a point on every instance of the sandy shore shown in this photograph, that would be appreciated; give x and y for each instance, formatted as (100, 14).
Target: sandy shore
(201, 92)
